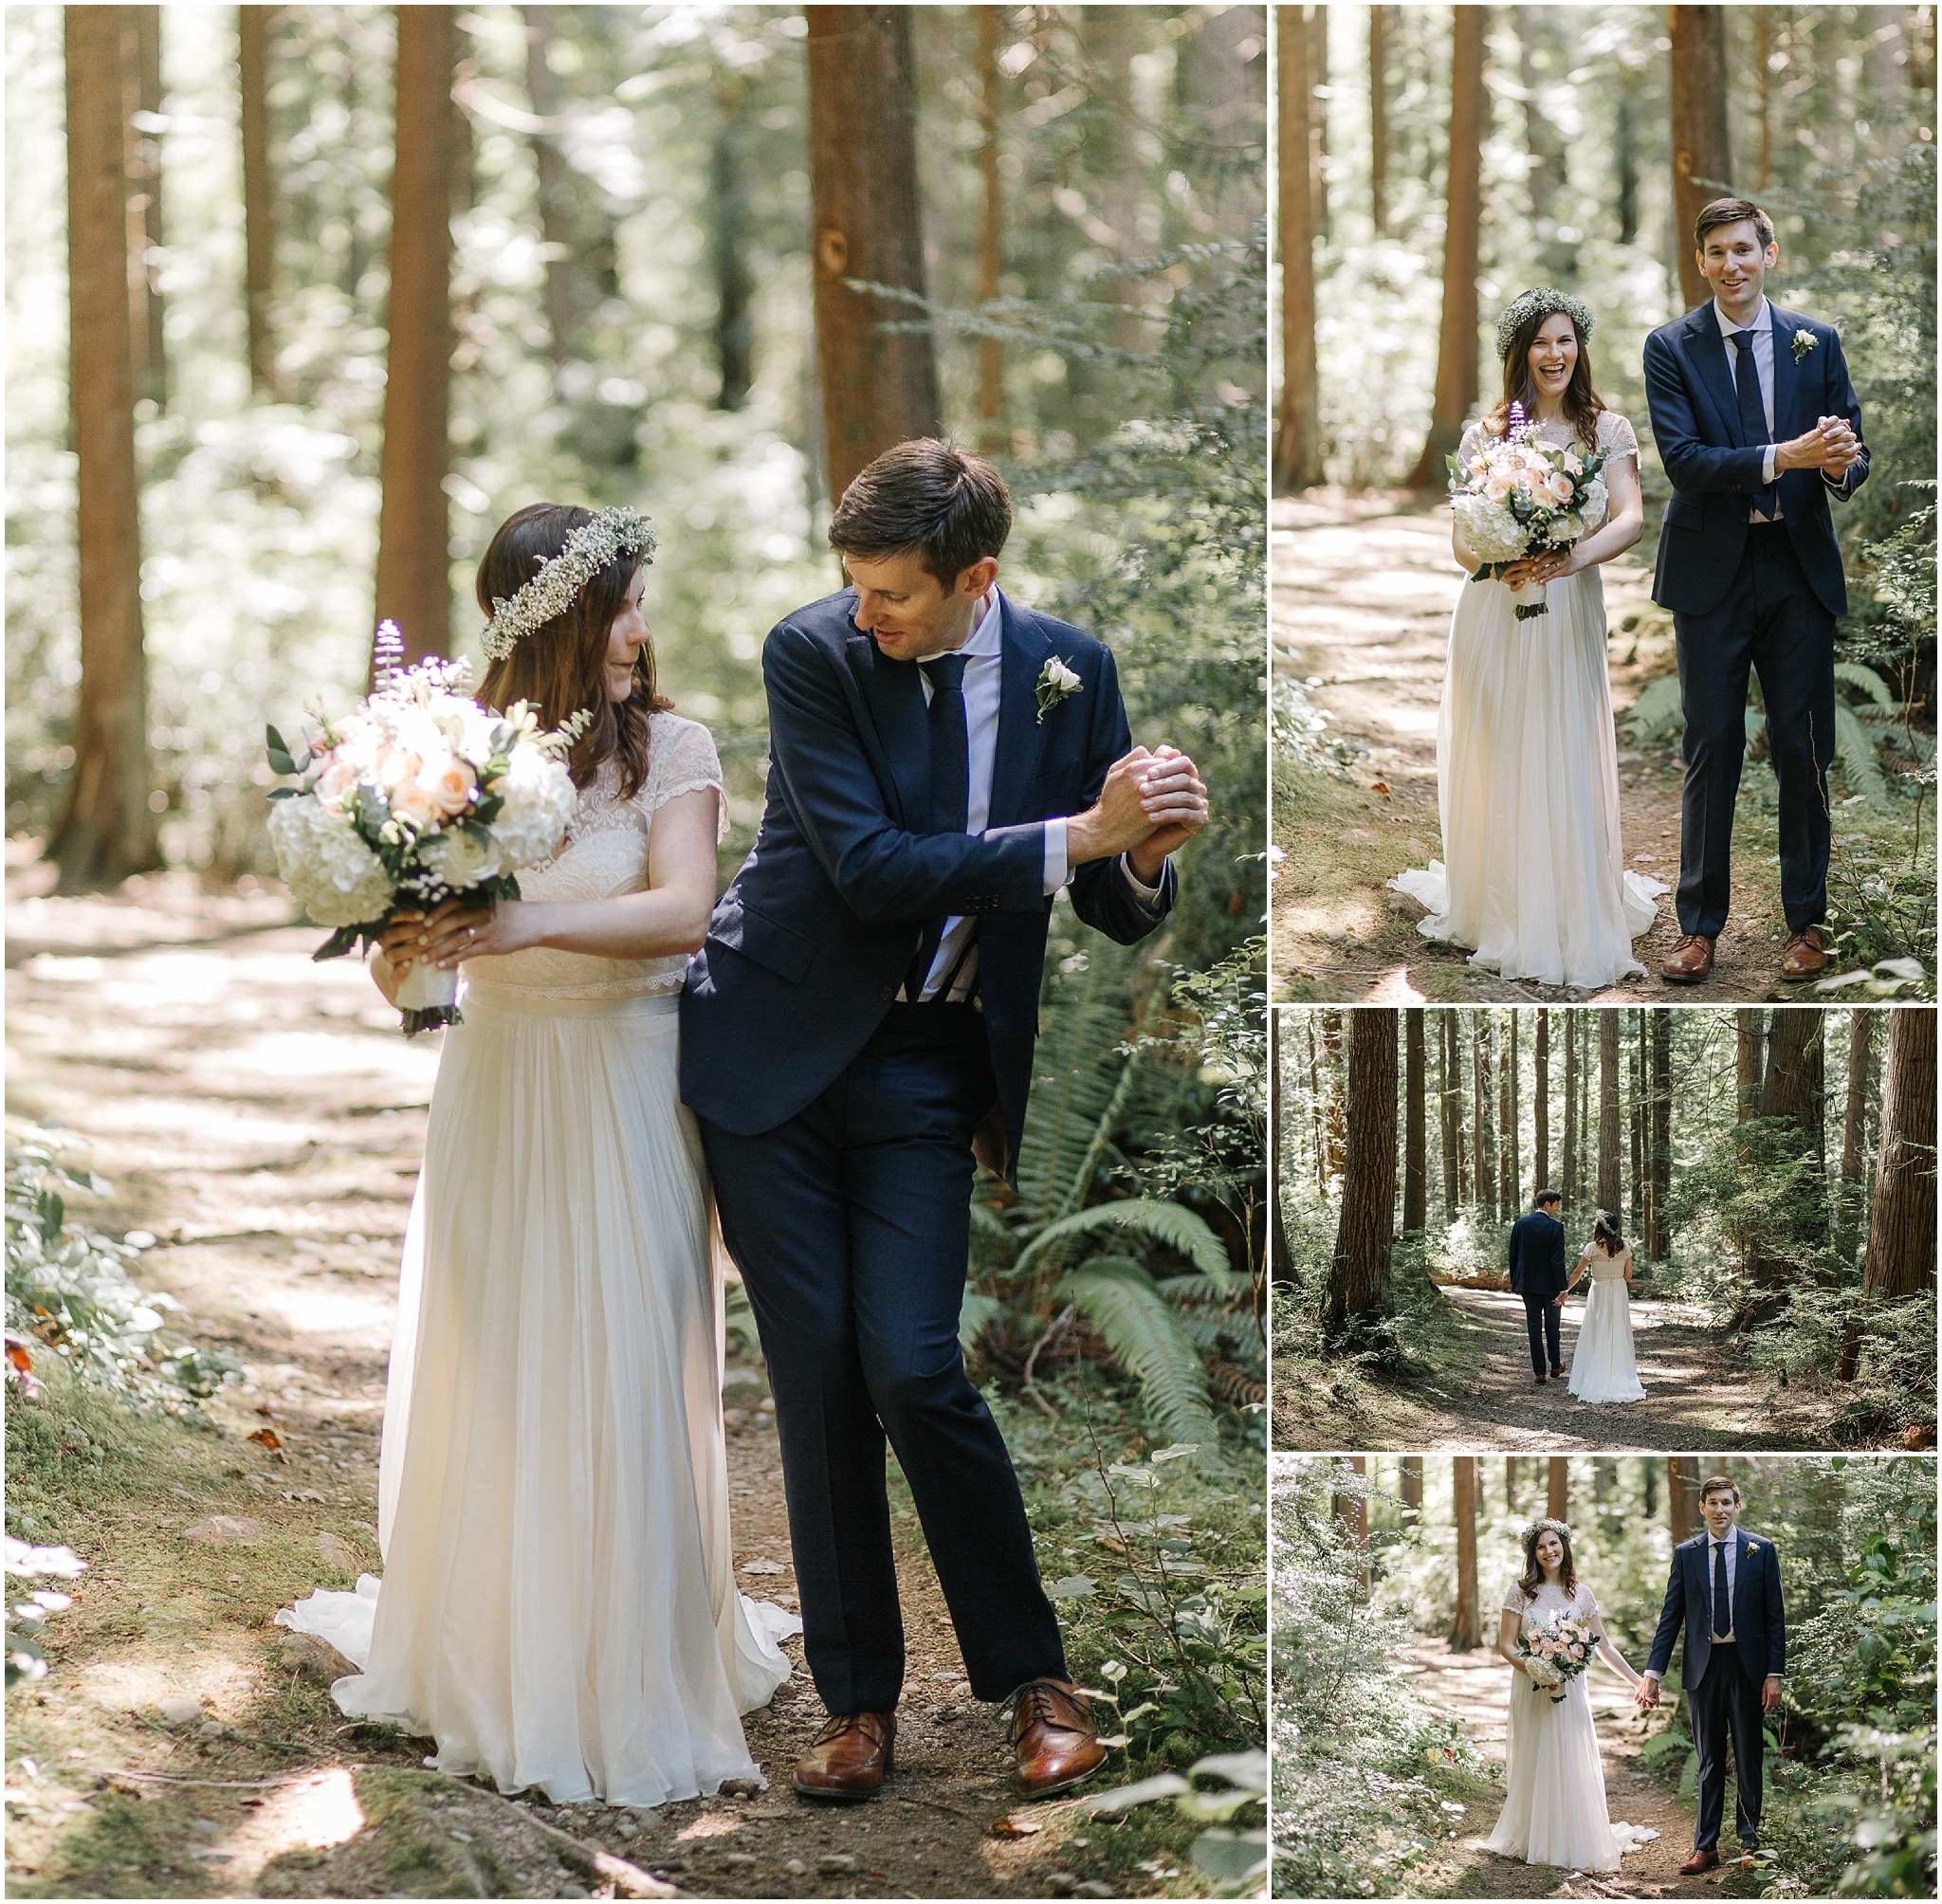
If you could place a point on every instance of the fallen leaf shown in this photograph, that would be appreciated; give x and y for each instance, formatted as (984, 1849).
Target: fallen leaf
(1014, 1827)
(19, 1357)
(268, 1437)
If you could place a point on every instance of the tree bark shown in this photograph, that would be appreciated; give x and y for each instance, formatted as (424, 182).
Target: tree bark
(1281, 1269)
(1536, 139)
(991, 351)
(1352, 1510)
(259, 195)
(1702, 160)
(1901, 1232)
(106, 831)
(1557, 1489)
(1682, 1478)
(1634, 1072)
(1365, 1230)
(556, 190)
(1416, 1133)
(1507, 1119)
(1298, 433)
(1569, 1185)
(1412, 1489)
(734, 307)
(142, 29)
(1450, 1110)
(1626, 155)
(1660, 1249)
(1854, 1142)
(1456, 346)
(1338, 1085)
(1509, 1484)
(414, 565)
(1611, 1187)
(1378, 119)
(1483, 1149)
(1466, 1629)
(1541, 1103)
(877, 390)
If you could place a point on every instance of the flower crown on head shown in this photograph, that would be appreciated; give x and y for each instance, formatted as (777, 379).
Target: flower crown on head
(1530, 1534)
(1541, 300)
(612, 534)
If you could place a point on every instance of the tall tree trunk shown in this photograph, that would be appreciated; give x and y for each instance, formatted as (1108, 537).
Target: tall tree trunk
(1789, 1093)
(1557, 1489)
(1702, 160)
(106, 831)
(877, 390)
(1282, 1257)
(1854, 1143)
(1661, 1247)
(1611, 1187)
(1365, 1231)
(1415, 1132)
(1509, 1484)
(557, 193)
(1762, 69)
(1902, 1231)
(1483, 1110)
(1626, 156)
(143, 78)
(1412, 1489)
(1538, 160)
(1541, 1103)
(414, 568)
(1298, 433)
(1318, 1092)
(1635, 1074)
(1378, 119)
(1456, 347)
(734, 296)
(1466, 1629)
(1449, 1111)
(1749, 1063)
(259, 195)
(1318, 117)
(991, 351)
(1352, 1510)
(1338, 1086)
(1571, 1139)
(1682, 1478)
(1506, 1118)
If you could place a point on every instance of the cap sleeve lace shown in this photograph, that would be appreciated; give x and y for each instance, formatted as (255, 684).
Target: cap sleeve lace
(1514, 1601)
(1475, 440)
(1616, 436)
(682, 760)
(1586, 1605)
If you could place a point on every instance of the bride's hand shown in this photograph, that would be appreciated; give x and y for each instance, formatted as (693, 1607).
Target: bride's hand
(1532, 570)
(455, 930)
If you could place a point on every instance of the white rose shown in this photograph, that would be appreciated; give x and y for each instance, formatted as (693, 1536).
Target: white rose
(1061, 677)
(461, 860)
(540, 800)
(332, 875)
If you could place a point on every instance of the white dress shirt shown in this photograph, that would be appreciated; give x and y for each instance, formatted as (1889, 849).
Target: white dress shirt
(983, 679)
(1762, 328)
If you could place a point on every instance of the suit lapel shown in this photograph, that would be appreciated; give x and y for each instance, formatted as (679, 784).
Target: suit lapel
(1787, 375)
(1709, 353)
(1015, 764)
(896, 698)
(1740, 1550)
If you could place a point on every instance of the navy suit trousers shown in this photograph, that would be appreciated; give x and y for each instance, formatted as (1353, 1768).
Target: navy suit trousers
(851, 1224)
(1726, 1705)
(1541, 1315)
(1772, 621)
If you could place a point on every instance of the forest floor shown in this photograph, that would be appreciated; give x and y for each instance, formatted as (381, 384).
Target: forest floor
(1474, 1687)
(261, 1117)
(1363, 588)
(1480, 1393)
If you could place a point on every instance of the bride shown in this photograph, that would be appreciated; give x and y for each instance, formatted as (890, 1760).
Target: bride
(559, 1606)
(1555, 1807)
(1602, 1368)
(1527, 764)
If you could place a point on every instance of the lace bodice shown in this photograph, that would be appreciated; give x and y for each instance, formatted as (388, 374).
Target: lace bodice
(605, 855)
(1550, 1603)
(1602, 1268)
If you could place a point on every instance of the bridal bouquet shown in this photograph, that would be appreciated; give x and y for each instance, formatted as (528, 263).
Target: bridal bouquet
(1555, 1652)
(417, 795)
(1523, 497)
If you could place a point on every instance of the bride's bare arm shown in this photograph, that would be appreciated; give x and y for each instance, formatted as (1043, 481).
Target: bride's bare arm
(1610, 1654)
(1506, 1640)
(671, 916)
(1460, 551)
(1623, 525)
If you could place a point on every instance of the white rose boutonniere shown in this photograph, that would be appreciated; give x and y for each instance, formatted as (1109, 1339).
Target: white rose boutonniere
(1805, 341)
(1055, 683)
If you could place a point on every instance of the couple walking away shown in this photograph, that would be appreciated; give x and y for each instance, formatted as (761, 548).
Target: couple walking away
(1756, 425)
(1725, 1591)
(1602, 1366)
(826, 1045)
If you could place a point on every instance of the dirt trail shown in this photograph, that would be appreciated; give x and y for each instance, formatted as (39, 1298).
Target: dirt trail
(1363, 588)
(1475, 1688)
(264, 1119)
(1484, 1397)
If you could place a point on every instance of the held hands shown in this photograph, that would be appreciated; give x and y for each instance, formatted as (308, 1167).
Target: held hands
(1151, 804)
(1551, 567)
(1831, 447)
(1645, 1693)
(452, 930)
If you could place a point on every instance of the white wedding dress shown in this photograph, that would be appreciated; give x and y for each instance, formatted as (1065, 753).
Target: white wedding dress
(1603, 1367)
(558, 1604)
(1555, 1805)
(1533, 875)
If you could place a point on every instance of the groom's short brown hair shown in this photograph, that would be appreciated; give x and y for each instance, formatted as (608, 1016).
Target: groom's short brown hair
(928, 498)
(1719, 1484)
(1545, 1196)
(1720, 211)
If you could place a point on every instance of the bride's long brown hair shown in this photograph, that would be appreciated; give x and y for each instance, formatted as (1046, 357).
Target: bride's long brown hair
(1583, 405)
(1533, 1568)
(560, 667)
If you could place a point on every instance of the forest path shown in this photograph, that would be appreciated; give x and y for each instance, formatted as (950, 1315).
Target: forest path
(1698, 1394)
(264, 1119)
(1363, 589)
(1475, 1688)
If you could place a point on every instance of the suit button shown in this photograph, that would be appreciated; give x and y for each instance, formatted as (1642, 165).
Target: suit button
(886, 993)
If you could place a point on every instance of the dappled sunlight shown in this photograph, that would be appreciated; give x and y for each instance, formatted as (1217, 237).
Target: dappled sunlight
(709, 1824)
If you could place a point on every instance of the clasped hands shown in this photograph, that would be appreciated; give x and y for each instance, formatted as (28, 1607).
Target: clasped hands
(1151, 805)
(1831, 447)
(1645, 1693)
(1551, 566)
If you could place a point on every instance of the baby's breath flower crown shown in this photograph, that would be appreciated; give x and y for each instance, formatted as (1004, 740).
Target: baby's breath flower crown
(612, 534)
(1531, 1533)
(1541, 300)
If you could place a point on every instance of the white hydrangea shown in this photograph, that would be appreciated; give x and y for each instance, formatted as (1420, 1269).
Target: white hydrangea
(1593, 501)
(332, 875)
(458, 858)
(1490, 532)
(539, 801)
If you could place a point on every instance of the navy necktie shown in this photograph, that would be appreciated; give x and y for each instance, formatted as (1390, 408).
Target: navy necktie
(1722, 1599)
(1752, 410)
(950, 787)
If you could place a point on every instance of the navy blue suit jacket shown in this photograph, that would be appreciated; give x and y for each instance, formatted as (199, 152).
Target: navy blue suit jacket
(1538, 1256)
(809, 945)
(1759, 1619)
(1695, 425)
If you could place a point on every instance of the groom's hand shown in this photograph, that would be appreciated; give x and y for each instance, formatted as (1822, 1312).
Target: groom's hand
(1829, 447)
(1647, 1693)
(1117, 822)
(1769, 1693)
(1174, 799)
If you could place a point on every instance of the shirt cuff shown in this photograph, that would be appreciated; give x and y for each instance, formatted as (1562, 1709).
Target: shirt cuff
(1766, 467)
(1148, 896)
(1058, 867)
(1652, 1672)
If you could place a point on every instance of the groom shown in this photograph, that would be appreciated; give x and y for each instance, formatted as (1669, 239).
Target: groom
(1537, 1274)
(1757, 425)
(942, 762)
(1725, 1589)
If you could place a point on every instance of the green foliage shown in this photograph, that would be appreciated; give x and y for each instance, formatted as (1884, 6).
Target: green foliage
(1147, 1337)
(1236, 1859)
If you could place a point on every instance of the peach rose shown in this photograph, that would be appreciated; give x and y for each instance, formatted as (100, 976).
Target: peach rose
(450, 785)
(413, 804)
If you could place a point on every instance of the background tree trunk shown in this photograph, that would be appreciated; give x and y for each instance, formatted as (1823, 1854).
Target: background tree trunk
(1682, 1478)
(1298, 437)
(1416, 1134)
(1365, 1230)
(1557, 1489)
(1412, 1489)
(143, 77)
(1451, 1109)
(877, 391)
(1483, 1150)
(1661, 1247)
(1854, 1143)
(991, 351)
(1507, 1120)
(1352, 1510)
(1541, 1103)
(1611, 1187)
(106, 831)
(1509, 1484)
(1569, 1185)
(557, 192)
(1378, 119)
(1700, 152)
(1636, 1076)
(1456, 348)
(1901, 1234)
(259, 195)
(1337, 1128)
(1282, 1257)
(734, 294)
(414, 565)
(1466, 1629)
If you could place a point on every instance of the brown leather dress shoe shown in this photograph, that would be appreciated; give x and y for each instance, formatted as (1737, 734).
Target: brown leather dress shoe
(1700, 1861)
(1053, 1737)
(1542, 1380)
(1807, 955)
(849, 1759)
(1691, 962)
